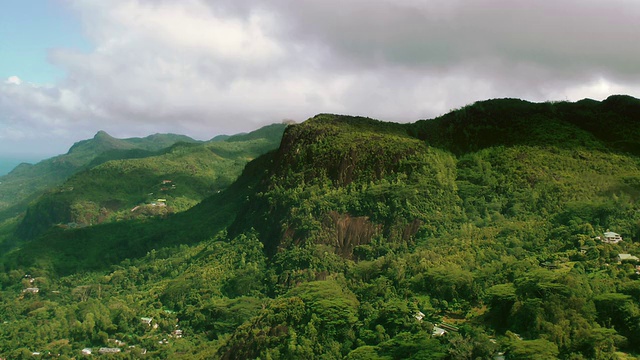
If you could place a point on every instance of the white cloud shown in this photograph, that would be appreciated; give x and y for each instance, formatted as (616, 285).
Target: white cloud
(14, 80)
(205, 67)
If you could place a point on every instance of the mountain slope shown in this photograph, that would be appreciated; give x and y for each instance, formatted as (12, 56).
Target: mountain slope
(612, 123)
(67, 251)
(531, 187)
(371, 180)
(382, 175)
(355, 237)
(180, 176)
(26, 182)
(345, 174)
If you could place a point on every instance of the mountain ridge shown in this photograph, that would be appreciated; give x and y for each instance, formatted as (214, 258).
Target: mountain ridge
(338, 165)
(113, 184)
(26, 182)
(355, 238)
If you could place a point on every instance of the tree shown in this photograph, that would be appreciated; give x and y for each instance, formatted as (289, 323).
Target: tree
(418, 346)
(538, 349)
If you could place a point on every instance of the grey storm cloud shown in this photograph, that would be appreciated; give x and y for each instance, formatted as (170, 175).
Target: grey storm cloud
(563, 34)
(204, 67)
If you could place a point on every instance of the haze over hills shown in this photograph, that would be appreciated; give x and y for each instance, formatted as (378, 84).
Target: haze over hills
(361, 239)
(9, 163)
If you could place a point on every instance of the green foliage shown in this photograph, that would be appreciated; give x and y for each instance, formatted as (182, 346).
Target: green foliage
(501, 299)
(413, 346)
(353, 240)
(538, 349)
(182, 175)
(366, 353)
(336, 308)
(26, 182)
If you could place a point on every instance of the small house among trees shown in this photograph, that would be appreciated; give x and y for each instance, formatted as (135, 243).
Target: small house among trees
(105, 350)
(627, 257)
(438, 331)
(611, 238)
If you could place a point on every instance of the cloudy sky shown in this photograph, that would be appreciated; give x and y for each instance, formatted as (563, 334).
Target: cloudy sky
(206, 67)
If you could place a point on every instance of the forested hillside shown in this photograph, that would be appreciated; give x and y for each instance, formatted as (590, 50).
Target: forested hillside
(475, 235)
(26, 182)
(171, 180)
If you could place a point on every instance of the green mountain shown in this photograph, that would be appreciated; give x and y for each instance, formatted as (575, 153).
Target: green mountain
(26, 182)
(86, 150)
(172, 180)
(362, 239)
(517, 122)
(500, 152)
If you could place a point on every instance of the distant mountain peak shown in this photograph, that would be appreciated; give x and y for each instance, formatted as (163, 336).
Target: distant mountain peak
(102, 134)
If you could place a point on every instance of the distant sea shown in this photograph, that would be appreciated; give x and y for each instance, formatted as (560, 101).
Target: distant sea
(7, 164)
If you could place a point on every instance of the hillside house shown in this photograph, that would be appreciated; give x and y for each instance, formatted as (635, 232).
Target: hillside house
(146, 320)
(627, 257)
(86, 351)
(438, 331)
(142, 351)
(161, 202)
(419, 315)
(611, 238)
(105, 350)
(33, 290)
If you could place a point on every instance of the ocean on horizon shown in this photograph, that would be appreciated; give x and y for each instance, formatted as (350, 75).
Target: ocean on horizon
(8, 164)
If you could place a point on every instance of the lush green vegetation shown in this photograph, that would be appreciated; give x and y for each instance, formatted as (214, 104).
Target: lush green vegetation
(27, 182)
(357, 239)
(180, 176)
